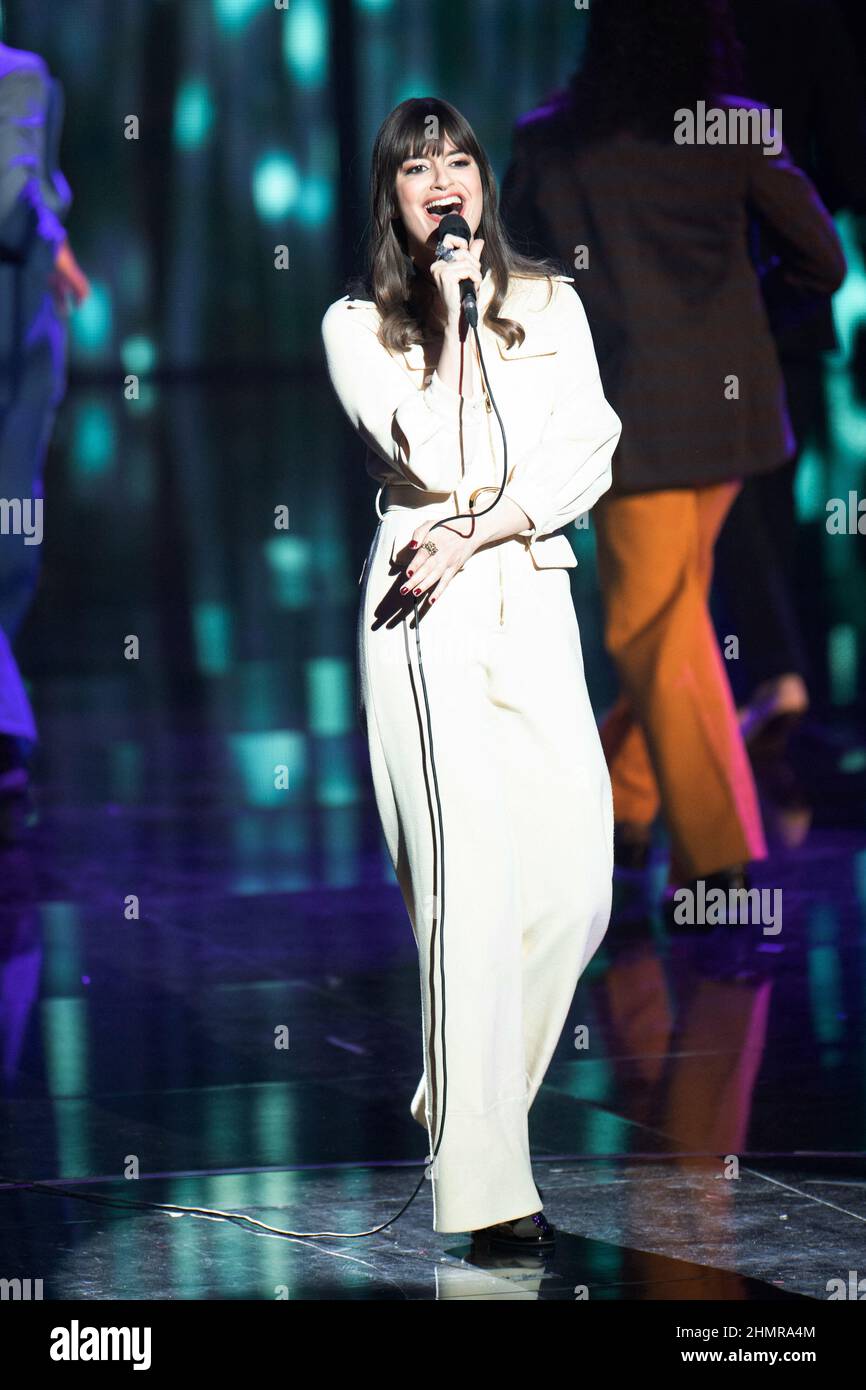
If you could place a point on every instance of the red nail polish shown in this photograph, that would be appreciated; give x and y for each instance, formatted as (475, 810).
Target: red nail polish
(416, 591)
(414, 545)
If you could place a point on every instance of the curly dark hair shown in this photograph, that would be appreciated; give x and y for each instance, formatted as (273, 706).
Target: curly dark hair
(646, 59)
(391, 280)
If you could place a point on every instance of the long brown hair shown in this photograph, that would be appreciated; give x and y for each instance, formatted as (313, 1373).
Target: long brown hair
(391, 278)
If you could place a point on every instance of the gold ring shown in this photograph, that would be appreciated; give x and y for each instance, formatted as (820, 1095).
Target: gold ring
(431, 546)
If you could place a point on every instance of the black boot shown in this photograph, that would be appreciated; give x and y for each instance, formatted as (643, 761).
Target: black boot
(735, 877)
(526, 1233)
(631, 846)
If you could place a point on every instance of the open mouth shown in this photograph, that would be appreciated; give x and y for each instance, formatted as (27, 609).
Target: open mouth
(440, 207)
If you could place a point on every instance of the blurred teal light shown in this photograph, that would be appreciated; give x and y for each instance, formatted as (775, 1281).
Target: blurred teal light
(853, 761)
(585, 1079)
(842, 657)
(64, 1042)
(849, 302)
(305, 45)
(290, 563)
(825, 995)
(809, 490)
(233, 14)
(276, 185)
(847, 416)
(61, 940)
(317, 201)
(91, 322)
(256, 757)
(138, 354)
(414, 87)
(329, 693)
(212, 628)
(93, 440)
(336, 782)
(193, 114)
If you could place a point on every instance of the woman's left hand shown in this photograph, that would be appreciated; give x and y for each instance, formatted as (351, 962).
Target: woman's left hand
(433, 573)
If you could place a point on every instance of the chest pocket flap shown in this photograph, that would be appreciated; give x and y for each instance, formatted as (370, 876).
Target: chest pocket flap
(533, 345)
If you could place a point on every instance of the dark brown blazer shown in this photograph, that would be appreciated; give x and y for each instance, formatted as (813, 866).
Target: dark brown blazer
(684, 347)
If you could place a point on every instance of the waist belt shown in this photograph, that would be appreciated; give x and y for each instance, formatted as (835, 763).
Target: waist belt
(549, 551)
(458, 500)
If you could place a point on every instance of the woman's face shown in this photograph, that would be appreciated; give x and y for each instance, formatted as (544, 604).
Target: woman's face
(429, 179)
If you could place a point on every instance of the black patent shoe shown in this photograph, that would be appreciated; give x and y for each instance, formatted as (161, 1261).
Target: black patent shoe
(526, 1233)
(684, 908)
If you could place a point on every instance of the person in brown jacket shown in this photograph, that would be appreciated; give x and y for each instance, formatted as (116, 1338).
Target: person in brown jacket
(643, 175)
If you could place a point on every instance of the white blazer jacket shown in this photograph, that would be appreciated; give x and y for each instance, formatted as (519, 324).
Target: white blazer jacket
(423, 437)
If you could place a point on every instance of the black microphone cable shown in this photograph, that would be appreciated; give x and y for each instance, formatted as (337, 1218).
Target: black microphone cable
(445, 521)
(105, 1199)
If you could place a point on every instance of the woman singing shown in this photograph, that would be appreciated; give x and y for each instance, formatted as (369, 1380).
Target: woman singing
(488, 772)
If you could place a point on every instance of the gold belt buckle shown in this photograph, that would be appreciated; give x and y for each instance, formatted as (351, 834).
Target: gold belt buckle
(488, 487)
(473, 495)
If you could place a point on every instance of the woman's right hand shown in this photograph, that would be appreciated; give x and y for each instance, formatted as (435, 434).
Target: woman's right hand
(466, 265)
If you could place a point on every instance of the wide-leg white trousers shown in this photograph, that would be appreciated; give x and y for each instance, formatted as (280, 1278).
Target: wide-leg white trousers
(514, 886)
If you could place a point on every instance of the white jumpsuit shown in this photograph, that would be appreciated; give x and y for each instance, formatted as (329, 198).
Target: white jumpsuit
(496, 803)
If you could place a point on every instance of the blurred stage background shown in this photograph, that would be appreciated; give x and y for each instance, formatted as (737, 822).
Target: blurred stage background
(255, 131)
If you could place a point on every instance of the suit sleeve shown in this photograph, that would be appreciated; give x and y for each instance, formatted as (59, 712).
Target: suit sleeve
(804, 232)
(24, 214)
(570, 468)
(423, 434)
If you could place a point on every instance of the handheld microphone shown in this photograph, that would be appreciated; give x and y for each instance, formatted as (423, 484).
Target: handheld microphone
(455, 225)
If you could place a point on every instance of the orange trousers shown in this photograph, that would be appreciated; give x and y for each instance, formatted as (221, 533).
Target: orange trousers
(672, 740)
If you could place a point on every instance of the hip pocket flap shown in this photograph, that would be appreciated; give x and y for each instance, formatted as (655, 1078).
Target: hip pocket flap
(552, 552)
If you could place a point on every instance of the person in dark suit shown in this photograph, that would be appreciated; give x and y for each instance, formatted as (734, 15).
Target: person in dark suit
(799, 57)
(612, 177)
(38, 277)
